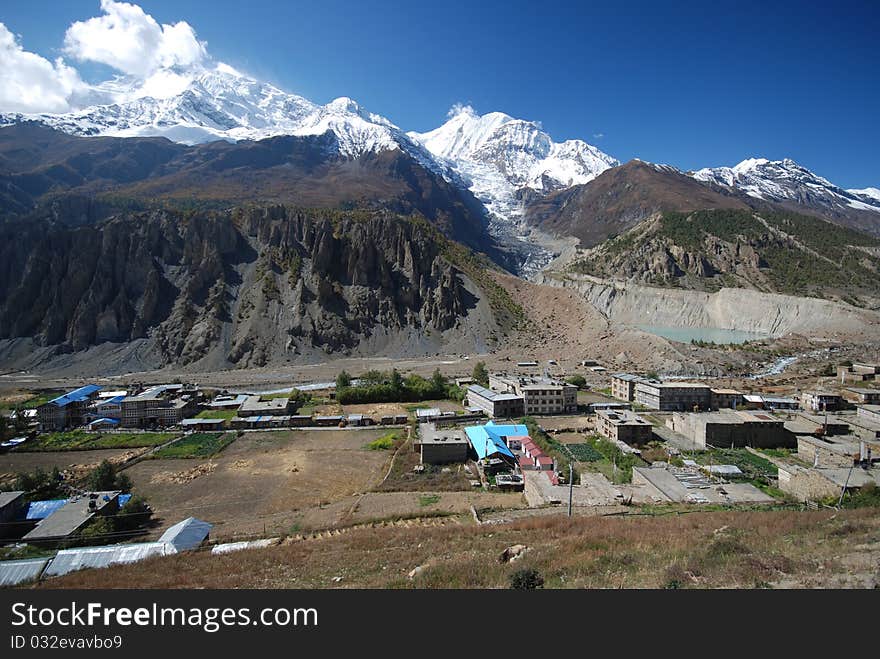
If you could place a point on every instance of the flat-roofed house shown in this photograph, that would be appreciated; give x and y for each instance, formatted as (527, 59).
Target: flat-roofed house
(541, 395)
(862, 396)
(163, 405)
(72, 517)
(624, 426)
(673, 396)
(726, 399)
(820, 401)
(256, 406)
(494, 403)
(623, 385)
(440, 446)
(732, 428)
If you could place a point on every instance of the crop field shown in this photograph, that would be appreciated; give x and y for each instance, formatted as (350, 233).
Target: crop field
(197, 445)
(80, 440)
(584, 452)
(265, 482)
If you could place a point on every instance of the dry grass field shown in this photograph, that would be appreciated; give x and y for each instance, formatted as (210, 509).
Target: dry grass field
(695, 550)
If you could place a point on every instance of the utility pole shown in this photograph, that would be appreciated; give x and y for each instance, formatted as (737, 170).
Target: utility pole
(843, 489)
(570, 486)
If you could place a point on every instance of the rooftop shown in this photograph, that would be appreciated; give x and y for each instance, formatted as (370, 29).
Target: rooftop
(228, 401)
(71, 516)
(734, 417)
(8, 497)
(429, 434)
(488, 439)
(156, 392)
(255, 404)
(488, 394)
(75, 396)
(629, 377)
(841, 476)
(622, 417)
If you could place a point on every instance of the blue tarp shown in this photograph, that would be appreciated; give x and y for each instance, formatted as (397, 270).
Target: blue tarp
(42, 509)
(123, 499)
(76, 395)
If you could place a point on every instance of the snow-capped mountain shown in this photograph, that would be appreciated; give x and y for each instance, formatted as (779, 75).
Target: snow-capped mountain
(201, 105)
(501, 158)
(871, 193)
(787, 181)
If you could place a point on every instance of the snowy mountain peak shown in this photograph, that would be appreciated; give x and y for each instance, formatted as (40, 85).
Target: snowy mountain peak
(870, 193)
(202, 104)
(499, 156)
(787, 181)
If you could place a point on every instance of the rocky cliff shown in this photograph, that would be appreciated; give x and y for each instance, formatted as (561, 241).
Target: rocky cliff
(774, 252)
(242, 287)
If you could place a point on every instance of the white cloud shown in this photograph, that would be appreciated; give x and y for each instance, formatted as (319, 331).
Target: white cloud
(130, 40)
(31, 83)
(598, 136)
(461, 108)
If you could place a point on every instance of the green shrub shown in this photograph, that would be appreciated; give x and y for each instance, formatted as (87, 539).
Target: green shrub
(578, 381)
(526, 578)
(384, 442)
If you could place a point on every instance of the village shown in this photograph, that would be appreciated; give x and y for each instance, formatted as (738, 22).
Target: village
(101, 475)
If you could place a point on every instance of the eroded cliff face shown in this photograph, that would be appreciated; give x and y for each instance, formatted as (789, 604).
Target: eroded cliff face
(244, 287)
(631, 304)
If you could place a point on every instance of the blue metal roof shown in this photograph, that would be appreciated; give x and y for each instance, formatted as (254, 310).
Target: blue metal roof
(76, 395)
(507, 429)
(112, 401)
(42, 509)
(112, 422)
(486, 443)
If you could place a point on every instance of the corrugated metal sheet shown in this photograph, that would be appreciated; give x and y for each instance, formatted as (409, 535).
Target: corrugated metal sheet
(70, 560)
(15, 572)
(42, 509)
(188, 534)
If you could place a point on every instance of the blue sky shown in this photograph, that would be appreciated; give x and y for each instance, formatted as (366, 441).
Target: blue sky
(691, 84)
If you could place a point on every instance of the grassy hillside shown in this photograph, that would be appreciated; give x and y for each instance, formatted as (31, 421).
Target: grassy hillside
(720, 549)
(772, 251)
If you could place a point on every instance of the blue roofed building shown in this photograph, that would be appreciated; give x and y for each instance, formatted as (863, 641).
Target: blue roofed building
(66, 410)
(490, 440)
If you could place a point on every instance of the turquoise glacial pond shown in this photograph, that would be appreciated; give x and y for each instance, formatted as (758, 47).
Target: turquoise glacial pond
(708, 334)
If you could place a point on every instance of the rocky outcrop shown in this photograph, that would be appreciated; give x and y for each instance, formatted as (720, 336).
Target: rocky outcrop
(236, 288)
